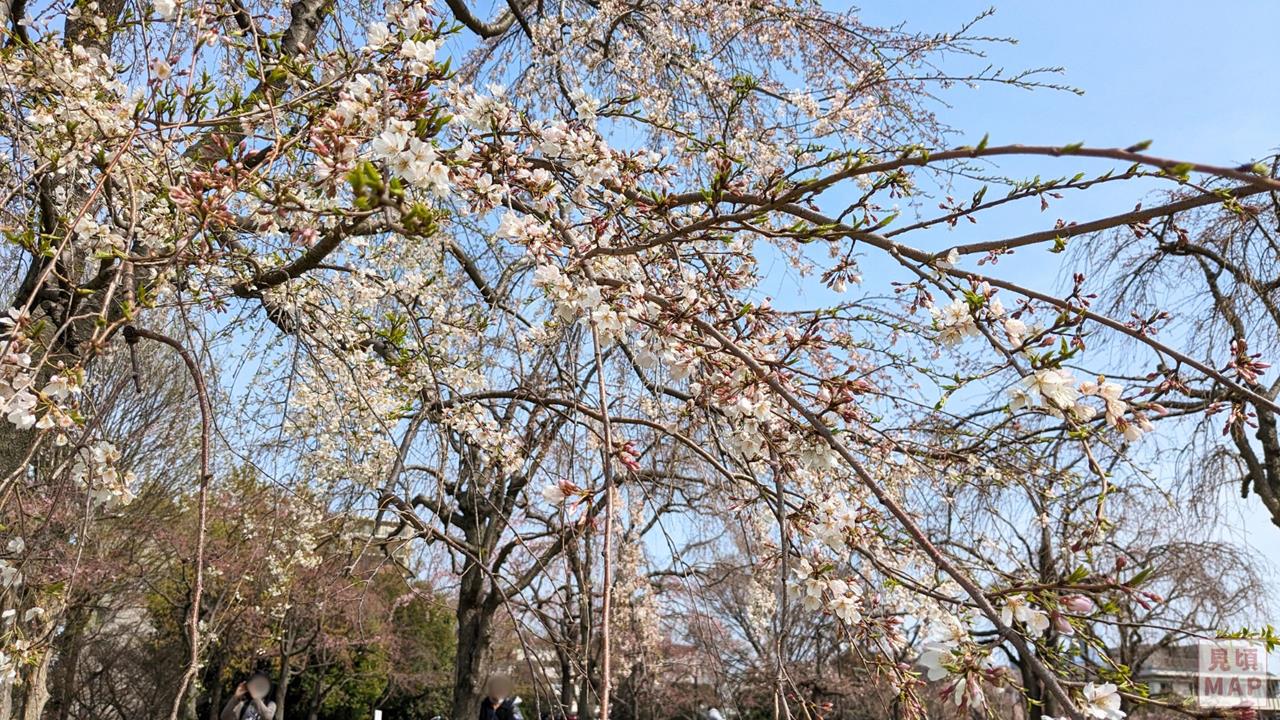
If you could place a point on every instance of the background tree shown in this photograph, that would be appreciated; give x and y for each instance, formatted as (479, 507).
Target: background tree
(1217, 266)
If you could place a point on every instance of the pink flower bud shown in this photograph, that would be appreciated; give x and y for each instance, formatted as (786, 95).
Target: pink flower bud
(1062, 625)
(1078, 604)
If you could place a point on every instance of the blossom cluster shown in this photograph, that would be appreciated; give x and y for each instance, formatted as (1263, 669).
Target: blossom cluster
(1058, 393)
(97, 470)
(25, 400)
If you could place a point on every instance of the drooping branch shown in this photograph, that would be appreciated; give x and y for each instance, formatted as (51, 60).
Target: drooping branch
(917, 535)
(902, 252)
(131, 335)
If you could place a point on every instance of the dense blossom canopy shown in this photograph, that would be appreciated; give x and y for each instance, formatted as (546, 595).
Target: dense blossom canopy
(520, 283)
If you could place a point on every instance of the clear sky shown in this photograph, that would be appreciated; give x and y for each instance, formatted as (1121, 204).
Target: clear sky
(1199, 79)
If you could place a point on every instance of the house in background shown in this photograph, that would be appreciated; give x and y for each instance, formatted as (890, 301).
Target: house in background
(1172, 674)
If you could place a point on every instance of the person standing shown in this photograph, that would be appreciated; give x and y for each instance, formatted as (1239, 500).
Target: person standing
(498, 704)
(250, 700)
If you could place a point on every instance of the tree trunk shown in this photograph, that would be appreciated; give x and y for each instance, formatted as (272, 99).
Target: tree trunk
(1038, 706)
(6, 700)
(213, 682)
(566, 683)
(587, 693)
(35, 688)
(475, 645)
(189, 705)
(14, 446)
(580, 565)
(282, 686)
(317, 697)
(70, 644)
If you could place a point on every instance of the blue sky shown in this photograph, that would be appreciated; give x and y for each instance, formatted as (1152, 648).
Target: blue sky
(1196, 78)
(1191, 75)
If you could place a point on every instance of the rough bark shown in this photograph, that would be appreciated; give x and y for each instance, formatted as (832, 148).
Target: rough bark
(475, 644)
(213, 681)
(14, 446)
(34, 691)
(282, 687)
(70, 644)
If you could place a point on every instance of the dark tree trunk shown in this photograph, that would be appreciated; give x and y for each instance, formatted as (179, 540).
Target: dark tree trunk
(70, 644)
(475, 644)
(588, 689)
(566, 683)
(315, 698)
(282, 687)
(213, 681)
(1037, 706)
(14, 445)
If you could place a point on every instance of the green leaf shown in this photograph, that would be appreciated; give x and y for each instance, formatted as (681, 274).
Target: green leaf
(1140, 578)
(977, 197)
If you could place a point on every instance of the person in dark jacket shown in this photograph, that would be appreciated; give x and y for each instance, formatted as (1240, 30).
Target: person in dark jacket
(498, 703)
(250, 700)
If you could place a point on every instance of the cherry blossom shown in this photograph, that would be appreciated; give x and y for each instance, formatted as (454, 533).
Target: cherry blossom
(466, 269)
(1053, 389)
(1019, 608)
(843, 601)
(1102, 701)
(935, 661)
(955, 322)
